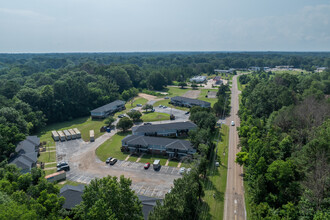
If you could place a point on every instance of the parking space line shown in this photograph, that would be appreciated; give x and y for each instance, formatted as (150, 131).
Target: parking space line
(166, 169)
(139, 190)
(172, 171)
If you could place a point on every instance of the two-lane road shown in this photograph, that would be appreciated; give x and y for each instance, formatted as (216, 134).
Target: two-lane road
(234, 199)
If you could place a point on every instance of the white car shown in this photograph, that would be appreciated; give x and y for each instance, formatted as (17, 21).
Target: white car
(182, 170)
(232, 123)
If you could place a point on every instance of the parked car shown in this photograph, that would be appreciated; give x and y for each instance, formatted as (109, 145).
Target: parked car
(146, 166)
(65, 168)
(182, 170)
(160, 106)
(61, 164)
(164, 106)
(187, 113)
(113, 161)
(172, 117)
(166, 97)
(121, 116)
(139, 105)
(232, 123)
(108, 160)
(217, 164)
(147, 123)
(156, 165)
(153, 110)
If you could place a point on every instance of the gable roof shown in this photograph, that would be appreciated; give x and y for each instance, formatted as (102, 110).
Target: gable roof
(166, 142)
(22, 163)
(72, 195)
(164, 127)
(148, 204)
(28, 145)
(189, 100)
(109, 106)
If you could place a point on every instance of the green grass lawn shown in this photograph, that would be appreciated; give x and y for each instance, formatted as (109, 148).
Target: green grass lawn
(47, 172)
(50, 165)
(150, 158)
(173, 163)
(47, 157)
(83, 124)
(216, 182)
(137, 100)
(176, 91)
(133, 158)
(68, 182)
(247, 201)
(155, 116)
(111, 147)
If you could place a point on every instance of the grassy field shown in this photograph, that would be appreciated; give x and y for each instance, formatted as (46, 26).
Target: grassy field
(47, 172)
(47, 157)
(84, 124)
(111, 147)
(176, 91)
(247, 201)
(68, 182)
(215, 185)
(136, 100)
(155, 116)
(204, 93)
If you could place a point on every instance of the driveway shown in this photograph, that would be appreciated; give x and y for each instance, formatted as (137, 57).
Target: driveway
(86, 166)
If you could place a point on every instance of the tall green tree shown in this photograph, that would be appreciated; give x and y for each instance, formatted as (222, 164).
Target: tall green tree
(109, 198)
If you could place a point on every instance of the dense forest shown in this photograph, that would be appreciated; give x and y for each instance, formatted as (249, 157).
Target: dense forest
(285, 140)
(284, 131)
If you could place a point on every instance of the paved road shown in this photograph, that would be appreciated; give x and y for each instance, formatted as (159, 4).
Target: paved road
(234, 199)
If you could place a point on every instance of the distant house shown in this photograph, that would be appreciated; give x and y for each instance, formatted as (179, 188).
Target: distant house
(198, 79)
(148, 204)
(169, 129)
(27, 153)
(72, 195)
(217, 80)
(255, 68)
(188, 102)
(157, 145)
(106, 110)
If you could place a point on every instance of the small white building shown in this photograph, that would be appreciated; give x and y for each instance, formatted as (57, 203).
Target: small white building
(78, 134)
(198, 79)
(55, 136)
(67, 135)
(62, 135)
(73, 134)
(91, 136)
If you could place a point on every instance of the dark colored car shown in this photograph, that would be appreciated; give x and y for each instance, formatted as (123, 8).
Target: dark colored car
(147, 123)
(113, 161)
(187, 113)
(121, 116)
(65, 168)
(108, 160)
(61, 164)
(146, 166)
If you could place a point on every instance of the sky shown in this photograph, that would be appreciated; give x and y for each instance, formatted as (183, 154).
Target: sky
(42, 26)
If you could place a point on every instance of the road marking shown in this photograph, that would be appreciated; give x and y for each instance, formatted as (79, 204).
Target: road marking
(235, 201)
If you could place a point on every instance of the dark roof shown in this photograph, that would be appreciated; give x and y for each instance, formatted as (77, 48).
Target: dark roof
(22, 163)
(28, 145)
(109, 106)
(72, 195)
(166, 142)
(34, 140)
(148, 204)
(189, 100)
(164, 127)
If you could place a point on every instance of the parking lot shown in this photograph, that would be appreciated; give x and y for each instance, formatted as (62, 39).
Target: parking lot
(85, 166)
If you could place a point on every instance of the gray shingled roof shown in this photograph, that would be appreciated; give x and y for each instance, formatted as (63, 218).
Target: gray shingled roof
(72, 195)
(167, 142)
(164, 127)
(189, 100)
(109, 106)
(148, 204)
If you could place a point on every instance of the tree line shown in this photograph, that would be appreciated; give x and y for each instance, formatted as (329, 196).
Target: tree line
(285, 142)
